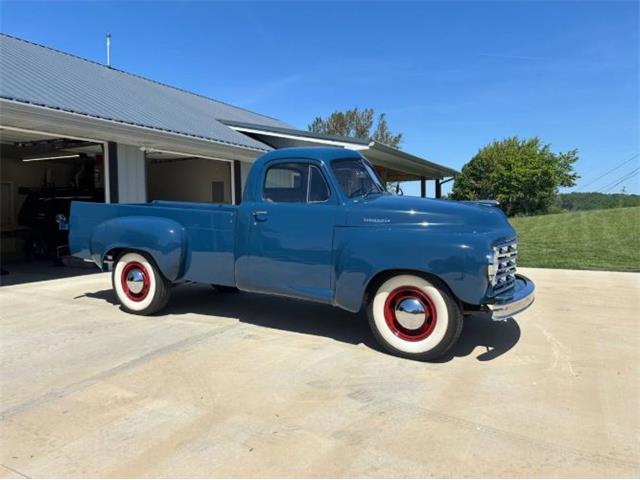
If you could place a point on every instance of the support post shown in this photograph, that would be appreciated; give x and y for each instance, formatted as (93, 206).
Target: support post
(237, 182)
(438, 188)
(423, 187)
(112, 158)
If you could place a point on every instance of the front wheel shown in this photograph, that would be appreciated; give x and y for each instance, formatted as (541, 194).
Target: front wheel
(414, 318)
(139, 285)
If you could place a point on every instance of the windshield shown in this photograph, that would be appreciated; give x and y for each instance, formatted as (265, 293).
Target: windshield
(356, 177)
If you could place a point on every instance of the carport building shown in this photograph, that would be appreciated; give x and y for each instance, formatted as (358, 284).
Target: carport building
(74, 128)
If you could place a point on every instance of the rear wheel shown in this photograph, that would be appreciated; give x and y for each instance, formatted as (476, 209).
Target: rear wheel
(139, 285)
(414, 318)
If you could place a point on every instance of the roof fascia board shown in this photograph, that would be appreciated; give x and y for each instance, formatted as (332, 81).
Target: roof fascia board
(48, 134)
(294, 131)
(302, 138)
(67, 124)
(184, 154)
(4, 102)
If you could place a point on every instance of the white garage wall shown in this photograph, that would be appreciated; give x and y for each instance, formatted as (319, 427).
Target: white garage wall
(132, 183)
(187, 180)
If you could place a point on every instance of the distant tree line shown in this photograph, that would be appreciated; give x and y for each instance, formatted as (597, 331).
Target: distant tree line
(595, 201)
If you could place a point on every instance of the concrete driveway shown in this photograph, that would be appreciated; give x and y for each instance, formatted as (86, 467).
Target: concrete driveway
(248, 385)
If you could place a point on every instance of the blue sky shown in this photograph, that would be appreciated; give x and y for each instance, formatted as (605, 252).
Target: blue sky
(452, 76)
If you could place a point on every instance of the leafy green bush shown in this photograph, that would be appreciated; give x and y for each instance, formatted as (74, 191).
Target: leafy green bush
(523, 175)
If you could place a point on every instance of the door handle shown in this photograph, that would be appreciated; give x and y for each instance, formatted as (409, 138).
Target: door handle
(260, 215)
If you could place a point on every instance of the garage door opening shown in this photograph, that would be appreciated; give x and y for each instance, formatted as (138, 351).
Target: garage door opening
(187, 179)
(40, 175)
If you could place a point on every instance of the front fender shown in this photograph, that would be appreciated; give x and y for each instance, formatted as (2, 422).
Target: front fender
(459, 260)
(164, 239)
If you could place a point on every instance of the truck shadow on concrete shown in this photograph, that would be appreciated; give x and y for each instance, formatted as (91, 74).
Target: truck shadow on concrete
(494, 338)
(17, 273)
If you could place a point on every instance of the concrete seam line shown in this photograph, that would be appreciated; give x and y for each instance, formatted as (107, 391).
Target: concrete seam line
(87, 382)
(14, 471)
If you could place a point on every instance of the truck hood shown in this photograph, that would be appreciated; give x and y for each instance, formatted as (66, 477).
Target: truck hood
(391, 210)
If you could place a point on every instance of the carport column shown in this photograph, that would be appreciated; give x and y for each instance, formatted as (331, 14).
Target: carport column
(131, 177)
(237, 182)
(423, 187)
(438, 188)
(112, 167)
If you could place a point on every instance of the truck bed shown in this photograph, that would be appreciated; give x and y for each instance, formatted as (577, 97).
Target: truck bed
(206, 230)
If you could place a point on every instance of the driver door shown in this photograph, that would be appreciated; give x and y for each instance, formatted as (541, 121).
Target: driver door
(291, 233)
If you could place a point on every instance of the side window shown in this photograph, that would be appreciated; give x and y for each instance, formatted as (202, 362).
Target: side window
(286, 182)
(318, 189)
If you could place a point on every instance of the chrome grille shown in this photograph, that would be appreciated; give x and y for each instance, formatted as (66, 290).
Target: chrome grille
(506, 261)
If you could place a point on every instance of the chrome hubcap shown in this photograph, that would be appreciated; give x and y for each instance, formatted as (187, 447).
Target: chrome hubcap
(135, 281)
(410, 313)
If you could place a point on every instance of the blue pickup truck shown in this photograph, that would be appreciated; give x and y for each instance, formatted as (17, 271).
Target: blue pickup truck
(317, 224)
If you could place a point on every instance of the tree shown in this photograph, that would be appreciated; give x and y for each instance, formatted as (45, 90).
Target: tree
(523, 175)
(357, 123)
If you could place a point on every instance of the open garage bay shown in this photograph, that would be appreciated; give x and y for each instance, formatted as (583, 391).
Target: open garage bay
(248, 385)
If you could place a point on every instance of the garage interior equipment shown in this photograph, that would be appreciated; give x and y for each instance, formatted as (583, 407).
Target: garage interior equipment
(40, 176)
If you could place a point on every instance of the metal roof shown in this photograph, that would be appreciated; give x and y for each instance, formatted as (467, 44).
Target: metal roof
(407, 162)
(38, 75)
(378, 153)
(34, 76)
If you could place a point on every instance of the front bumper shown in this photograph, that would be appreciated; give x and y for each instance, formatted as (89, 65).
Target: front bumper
(516, 300)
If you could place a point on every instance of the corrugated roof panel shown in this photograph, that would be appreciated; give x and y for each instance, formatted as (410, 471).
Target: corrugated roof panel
(35, 74)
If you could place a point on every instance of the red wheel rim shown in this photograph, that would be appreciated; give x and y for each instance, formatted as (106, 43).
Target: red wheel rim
(131, 268)
(430, 317)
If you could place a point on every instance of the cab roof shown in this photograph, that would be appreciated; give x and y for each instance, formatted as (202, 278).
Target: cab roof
(326, 154)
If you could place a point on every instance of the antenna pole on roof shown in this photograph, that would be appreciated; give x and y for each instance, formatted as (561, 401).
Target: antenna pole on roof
(109, 50)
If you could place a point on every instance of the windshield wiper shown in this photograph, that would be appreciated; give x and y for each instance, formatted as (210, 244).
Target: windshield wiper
(371, 190)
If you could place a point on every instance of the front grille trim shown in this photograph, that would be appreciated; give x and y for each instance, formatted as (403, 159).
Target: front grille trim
(507, 258)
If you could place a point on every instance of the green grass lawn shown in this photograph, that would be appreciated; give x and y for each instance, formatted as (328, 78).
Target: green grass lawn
(594, 240)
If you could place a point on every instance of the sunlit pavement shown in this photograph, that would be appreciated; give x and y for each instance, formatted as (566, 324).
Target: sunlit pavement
(249, 385)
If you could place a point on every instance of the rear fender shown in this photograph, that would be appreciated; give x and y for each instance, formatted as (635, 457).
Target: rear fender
(163, 239)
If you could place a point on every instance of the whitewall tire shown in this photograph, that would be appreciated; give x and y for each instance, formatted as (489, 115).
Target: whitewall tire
(139, 285)
(414, 318)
